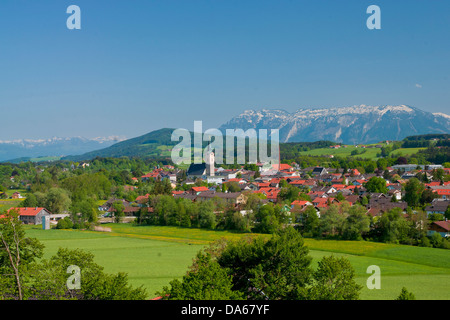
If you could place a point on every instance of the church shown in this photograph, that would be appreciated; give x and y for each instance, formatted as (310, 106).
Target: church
(202, 170)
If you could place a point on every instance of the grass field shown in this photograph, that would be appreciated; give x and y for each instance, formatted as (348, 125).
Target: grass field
(153, 256)
(370, 153)
(6, 204)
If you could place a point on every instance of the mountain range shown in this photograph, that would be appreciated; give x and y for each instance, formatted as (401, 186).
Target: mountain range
(26, 149)
(349, 125)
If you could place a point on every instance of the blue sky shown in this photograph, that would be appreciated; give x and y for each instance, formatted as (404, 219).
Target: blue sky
(136, 66)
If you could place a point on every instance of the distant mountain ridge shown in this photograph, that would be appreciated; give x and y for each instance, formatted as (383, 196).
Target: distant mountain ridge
(349, 125)
(34, 148)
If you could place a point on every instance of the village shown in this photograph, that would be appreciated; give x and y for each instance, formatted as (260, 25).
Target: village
(292, 190)
(318, 188)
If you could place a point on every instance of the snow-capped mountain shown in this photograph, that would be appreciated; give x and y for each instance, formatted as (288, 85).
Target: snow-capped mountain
(349, 125)
(32, 148)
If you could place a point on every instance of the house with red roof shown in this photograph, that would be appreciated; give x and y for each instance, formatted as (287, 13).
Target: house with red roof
(359, 182)
(297, 182)
(155, 174)
(300, 203)
(443, 193)
(339, 186)
(320, 202)
(31, 215)
(271, 193)
(238, 180)
(197, 190)
(284, 167)
(142, 199)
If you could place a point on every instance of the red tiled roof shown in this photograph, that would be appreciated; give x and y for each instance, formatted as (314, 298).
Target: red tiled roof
(443, 192)
(28, 211)
(281, 166)
(443, 224)
(142, 198)
(151, 175)
(199, 189)
(263, 184)
(299, 203)
(300, 182)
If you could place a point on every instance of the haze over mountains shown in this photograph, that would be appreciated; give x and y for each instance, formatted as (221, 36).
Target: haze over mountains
(349, 125)
(54, 147)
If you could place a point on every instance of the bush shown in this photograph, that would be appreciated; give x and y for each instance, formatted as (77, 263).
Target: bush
(405, 295)
(425, 242)
(65, 223)
(436, 240)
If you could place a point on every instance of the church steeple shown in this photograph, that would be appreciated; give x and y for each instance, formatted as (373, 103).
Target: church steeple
(210, 159)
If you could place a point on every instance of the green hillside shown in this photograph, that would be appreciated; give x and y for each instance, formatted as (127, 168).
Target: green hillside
(154, 144)
(152, 256)
(158, 145)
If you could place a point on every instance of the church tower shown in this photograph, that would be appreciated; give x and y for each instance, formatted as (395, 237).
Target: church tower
(210, 159)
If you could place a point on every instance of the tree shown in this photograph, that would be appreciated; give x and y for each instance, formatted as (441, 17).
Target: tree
(57, 200)
(334, 280)
(376, 184)
(30, 201)
(289, 193)
(310, 221)
(436, 240)
(207, 218)
(427, 196)
(118, 210)
(18, 253)
(85, 211)
(209, 281)
(65, 223)
(331, 221)
(49, 279)
(413, 192)
(406, 295)
(393, 227)
(438, 174)
(278, 268)
(233, 186)
(356, 223)
(447, 213)
(257, 268)
(266, 219)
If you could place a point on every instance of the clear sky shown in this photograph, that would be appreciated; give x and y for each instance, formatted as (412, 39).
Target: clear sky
(140, 65)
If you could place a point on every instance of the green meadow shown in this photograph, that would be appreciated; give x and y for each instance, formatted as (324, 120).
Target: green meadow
(152, 256)
(369, 153)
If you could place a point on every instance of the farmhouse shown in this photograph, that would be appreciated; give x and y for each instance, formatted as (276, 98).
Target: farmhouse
(441, 227)
(31, 215)
(16, 195)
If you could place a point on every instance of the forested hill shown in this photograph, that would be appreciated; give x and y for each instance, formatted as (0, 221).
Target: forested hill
(153, 144)
(158, 145)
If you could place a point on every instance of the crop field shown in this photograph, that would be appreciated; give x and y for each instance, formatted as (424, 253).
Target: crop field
(152, 256)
